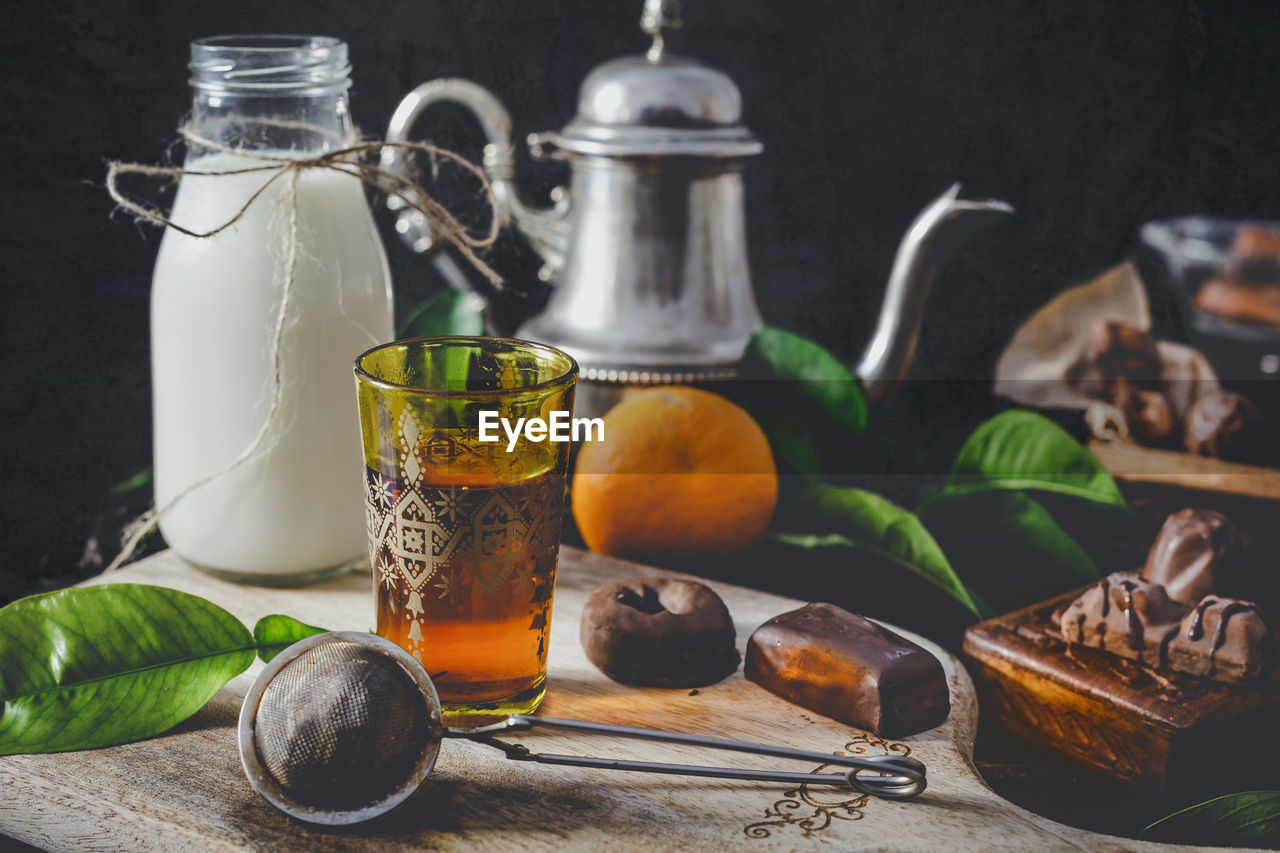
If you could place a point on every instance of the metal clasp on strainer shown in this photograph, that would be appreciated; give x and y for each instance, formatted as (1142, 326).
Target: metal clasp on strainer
(343, 727)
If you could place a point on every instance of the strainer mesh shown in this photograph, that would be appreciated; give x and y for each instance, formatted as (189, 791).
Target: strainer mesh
(341, 726)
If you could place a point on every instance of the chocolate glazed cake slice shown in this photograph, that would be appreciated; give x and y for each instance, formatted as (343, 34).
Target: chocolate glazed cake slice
(1221, 638)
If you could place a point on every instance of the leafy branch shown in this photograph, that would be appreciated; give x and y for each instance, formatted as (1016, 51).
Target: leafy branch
(96, 666)
(985, 527)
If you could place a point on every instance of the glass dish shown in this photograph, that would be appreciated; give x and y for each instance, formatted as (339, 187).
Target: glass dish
(1216, 264)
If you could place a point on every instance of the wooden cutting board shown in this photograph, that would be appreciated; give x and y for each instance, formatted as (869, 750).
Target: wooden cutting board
(185, 790)
(1133, 464)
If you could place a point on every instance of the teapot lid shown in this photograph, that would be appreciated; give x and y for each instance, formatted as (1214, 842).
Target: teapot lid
(658, 104)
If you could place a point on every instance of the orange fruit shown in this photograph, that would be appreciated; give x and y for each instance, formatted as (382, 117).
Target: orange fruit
(680, 472)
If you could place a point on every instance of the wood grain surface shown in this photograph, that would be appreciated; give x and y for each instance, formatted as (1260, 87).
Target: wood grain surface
(185, 791)
(1131, 463)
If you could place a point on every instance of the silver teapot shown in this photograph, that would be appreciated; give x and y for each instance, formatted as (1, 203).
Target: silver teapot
(647, 248)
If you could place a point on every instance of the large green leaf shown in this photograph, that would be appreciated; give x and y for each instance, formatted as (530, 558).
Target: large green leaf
(446, 312)
(808, 403)
(860, 519)
(275, 633)
(1020, 450)
(1247, 819)
(90, 667)
(1007, 547)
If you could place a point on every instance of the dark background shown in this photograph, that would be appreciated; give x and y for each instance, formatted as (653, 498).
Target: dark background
(1090, 116)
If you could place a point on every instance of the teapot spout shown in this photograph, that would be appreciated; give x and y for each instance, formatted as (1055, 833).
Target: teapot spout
(933, 237)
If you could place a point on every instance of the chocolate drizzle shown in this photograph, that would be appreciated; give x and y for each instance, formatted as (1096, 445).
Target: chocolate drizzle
(1134, 634)
(1220, 636)
(1162, 656)
(1195, 629)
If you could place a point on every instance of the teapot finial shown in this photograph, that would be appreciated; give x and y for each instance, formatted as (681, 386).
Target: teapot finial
(659, 16)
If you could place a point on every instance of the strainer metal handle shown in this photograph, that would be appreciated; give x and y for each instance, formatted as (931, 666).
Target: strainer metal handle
(900, 777)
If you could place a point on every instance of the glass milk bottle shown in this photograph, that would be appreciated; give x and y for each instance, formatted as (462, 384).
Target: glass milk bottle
(292, 511)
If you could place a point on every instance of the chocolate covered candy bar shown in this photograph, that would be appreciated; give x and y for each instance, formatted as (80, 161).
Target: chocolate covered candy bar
(1197, 552)
(1129, 360)
(849, 668)
(1242, 301)
(1227, 425)
(1125, 351)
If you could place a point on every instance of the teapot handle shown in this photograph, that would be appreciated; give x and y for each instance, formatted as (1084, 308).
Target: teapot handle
(546, 229)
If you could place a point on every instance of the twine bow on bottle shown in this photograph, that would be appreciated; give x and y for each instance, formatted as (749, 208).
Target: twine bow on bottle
(277, 167)
(346, 160)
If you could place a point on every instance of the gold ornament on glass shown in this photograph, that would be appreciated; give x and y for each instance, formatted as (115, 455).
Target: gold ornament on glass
(464, 533)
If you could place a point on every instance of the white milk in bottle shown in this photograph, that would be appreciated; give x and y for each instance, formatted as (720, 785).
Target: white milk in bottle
(293, 511)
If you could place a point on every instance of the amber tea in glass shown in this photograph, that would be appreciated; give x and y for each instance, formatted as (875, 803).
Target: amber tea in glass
(464, 533)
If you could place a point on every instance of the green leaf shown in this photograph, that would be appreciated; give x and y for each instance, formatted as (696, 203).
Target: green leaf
(809, 405)
(95, 666)
(277, 632)
(862, 519)
(1007, 547)
(1247, 819)
(137, 481)
(1020, 450)
(446, 312)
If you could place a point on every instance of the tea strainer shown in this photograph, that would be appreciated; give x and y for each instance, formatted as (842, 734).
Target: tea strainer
(342, 727)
